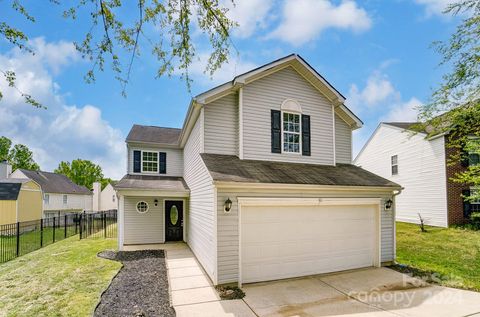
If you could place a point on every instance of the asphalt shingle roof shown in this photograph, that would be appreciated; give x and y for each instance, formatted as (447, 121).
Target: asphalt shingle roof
(55, 183)
(229, 168)
(151, 134)
(151, 182)
(9, 190)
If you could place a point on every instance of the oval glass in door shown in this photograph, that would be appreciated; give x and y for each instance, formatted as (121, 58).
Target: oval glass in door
(174, 215)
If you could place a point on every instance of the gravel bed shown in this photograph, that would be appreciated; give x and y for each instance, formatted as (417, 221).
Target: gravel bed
(139, 289)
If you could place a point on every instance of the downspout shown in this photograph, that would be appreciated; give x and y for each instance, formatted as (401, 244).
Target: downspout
(395, 194)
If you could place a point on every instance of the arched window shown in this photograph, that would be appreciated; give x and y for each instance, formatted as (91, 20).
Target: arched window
(291, 126)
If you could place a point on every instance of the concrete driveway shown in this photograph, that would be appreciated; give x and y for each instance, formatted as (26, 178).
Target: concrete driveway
(368, 292)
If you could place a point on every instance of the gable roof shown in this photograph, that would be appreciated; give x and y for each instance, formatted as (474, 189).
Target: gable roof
(229, 168)
(151, 182)
(55, 183)
(9, 190)
(154, 135)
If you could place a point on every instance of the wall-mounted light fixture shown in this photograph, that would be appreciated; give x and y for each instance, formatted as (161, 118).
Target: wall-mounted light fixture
(227, 206)
(388, 204)
(155, 202)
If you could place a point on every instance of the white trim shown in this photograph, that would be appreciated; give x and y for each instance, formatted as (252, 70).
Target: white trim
(299, 133)
(202, 130)
(141, 162)
(301, 187)
(334, 129)
(215, 236)
(165, 217)
(152, 192)
(291, 105)
(240, 123)
(142, 212)
(121, 221)
(268, 201)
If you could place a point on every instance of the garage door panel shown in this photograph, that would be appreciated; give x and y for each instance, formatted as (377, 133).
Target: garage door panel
(282, 242)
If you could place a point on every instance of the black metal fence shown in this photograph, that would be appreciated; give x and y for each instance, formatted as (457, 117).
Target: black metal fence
(20, 238)
(98, 224)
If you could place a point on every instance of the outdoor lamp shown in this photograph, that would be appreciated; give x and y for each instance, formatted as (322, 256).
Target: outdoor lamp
(228, 205)
(388, 204)
(155, 202)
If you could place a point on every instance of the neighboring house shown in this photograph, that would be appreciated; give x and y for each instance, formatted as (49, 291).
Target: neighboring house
(419, 163)
(20, 200)
(105, 199)
(259, 181)
(60, 194)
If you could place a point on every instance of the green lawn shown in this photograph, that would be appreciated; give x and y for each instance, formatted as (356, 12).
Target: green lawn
(62, 279)
(454, 253)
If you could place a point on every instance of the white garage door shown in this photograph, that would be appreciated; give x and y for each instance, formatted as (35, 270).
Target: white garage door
(282, 242)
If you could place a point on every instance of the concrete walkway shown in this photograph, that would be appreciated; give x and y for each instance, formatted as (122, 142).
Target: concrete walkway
(192, 293)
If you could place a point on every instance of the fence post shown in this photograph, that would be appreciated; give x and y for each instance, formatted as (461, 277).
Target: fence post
(54, 230)
(18, 238)
(104, 218)
(80, 225)
(65, 225)
(41, 232)
(76, 223)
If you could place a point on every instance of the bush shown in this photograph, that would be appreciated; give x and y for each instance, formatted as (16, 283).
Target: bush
(475, 220)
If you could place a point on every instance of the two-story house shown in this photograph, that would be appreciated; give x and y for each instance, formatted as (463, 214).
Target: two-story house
(259, 181)
(60, 194)
(421, 164)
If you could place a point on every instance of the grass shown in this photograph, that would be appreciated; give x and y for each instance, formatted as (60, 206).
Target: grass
(453, 253)
(62, 279)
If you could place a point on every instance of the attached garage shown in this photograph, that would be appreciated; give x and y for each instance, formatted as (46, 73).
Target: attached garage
(284, 238)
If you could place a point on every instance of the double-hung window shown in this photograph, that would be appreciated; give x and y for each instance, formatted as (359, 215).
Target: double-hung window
(65, 199)
(46, 199)
(149, 162)
(291, 131)
(394, 161)
(473, 147)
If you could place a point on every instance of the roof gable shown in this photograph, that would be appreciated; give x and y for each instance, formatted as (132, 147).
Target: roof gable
(55, 183)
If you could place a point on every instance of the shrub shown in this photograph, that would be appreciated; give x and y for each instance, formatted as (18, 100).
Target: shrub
(475, 220)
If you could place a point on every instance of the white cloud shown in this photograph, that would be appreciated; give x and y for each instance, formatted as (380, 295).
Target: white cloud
(249, 14)
(377, 90)
(235, 66)
(434, 7)
(404, 112)
(62, 132)
(305, 20)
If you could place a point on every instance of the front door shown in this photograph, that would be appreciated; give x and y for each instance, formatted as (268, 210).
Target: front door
(173, 220)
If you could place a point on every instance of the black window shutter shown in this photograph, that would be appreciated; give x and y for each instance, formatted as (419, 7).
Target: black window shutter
(137, 161)
(306, 135)
(162, 169)
(276, 131)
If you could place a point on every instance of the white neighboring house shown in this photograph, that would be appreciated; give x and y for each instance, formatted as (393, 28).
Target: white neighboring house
(60, 194)
(105, 199)
(259, 181)
(419, 164)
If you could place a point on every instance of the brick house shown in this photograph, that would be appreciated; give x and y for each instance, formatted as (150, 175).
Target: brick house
(421, 165)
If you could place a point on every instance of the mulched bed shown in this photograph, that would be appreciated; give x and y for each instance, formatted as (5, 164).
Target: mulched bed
(140, 288)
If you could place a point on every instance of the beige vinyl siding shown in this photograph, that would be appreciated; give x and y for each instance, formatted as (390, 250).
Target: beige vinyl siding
(221, 126)
(421, 171)
(268, 93)
(143, 228)
(8, 212)
(343, 141)
(174, 159)
(200, 215)
(227, 224)
(29, 202)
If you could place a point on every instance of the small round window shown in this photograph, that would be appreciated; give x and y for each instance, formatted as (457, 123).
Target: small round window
(142, 207)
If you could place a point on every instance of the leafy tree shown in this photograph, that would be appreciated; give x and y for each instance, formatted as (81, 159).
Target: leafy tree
(5, 145)
(20, 156)
(454, 108)
(81, 172)
(115, 37)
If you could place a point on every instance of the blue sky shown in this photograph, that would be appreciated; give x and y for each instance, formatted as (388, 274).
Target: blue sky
(376, 52)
